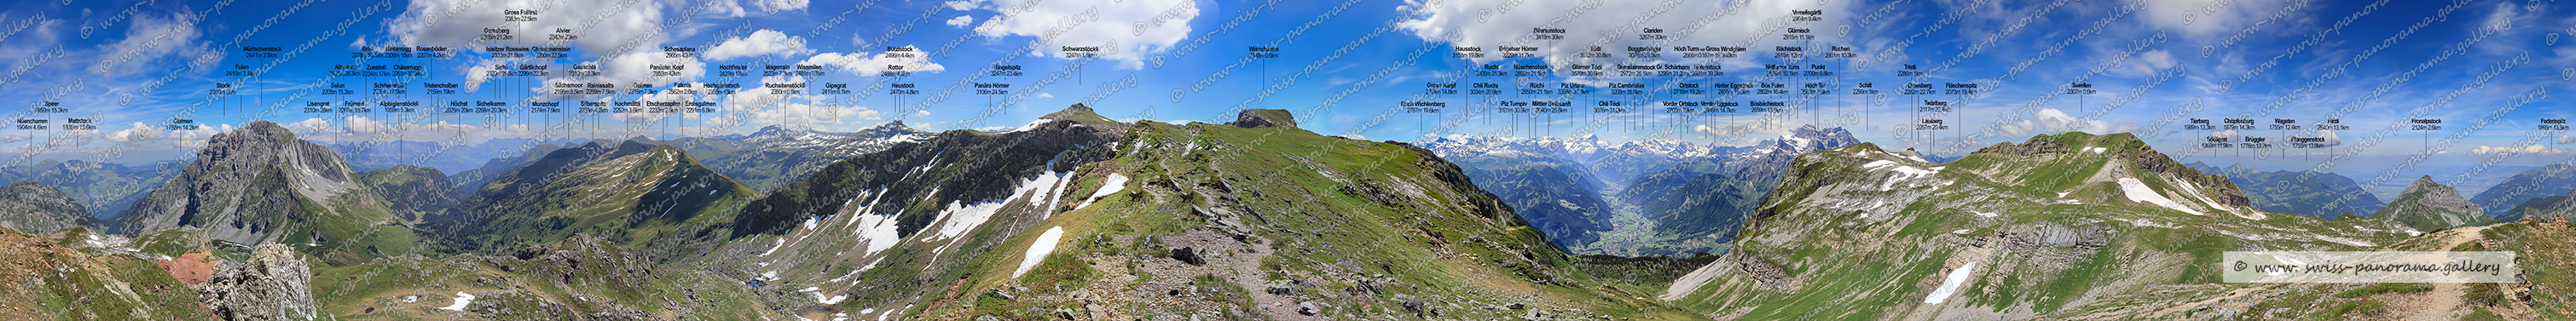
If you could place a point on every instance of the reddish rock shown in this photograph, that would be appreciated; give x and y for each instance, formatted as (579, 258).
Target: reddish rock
(190, 268)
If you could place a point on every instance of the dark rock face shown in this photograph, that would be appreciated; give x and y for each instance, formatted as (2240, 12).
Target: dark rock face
(274, 284)
(1258, 118)
(1188, 255)
(36, 208)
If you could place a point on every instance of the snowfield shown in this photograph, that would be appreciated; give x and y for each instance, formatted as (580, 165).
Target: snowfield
(1951, 285)
(1905, 172)
(1038, 251)
(462, 300)
(2138, 191)
(1108, 187)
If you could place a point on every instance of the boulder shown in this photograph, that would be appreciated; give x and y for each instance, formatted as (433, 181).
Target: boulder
(274, 284)
(1188, 255)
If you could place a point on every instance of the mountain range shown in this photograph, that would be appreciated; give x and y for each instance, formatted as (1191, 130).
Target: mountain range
(2010, 231)
(1077, 216)
(2313, 193)
(2501, 200)
(1641, 197)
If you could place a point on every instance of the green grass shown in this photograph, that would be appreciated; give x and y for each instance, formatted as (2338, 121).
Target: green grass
(2341, 310)
(2384, 288)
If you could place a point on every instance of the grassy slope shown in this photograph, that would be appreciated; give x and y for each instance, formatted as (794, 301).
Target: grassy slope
(635, 200)
(40, 279)
(1847, 267)
(2545, 257)
(1434, 248)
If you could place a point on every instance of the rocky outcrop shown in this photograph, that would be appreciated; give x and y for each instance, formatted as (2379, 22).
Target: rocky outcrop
(256, 184)
(274, 284)
(1259, 118)
(36, 208)
(2428, 206)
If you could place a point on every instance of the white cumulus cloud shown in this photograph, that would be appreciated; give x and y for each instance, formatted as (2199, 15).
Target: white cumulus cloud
(961, 21)
(138, 132)
(2525, 150)
(2053, 121)
(1493, 23)
(863, 64)
(1124, 31)
(758, 43)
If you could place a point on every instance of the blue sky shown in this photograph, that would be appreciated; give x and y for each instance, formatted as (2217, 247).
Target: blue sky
(136, 68)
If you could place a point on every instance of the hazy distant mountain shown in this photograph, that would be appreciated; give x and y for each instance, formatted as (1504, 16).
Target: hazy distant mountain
(2311, 193)
(105, 189)
(2546, 181)
(776, 155)
(368, 156)
(36, 208)
(1572, 189)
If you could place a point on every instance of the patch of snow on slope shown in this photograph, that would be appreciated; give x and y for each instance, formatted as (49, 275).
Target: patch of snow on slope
(818, 296)
(1038, 251)
(2096, 150)
(2346, 241)
(2138, 191)
(773, 248)
(462, 300)
(1032, 125)
(1108, 186)
(961, 218)
(877, 231)
(1951, 285)
(1908, 172)
(1987, 214)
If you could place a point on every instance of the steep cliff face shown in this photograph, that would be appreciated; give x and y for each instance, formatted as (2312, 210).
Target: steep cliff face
(275, 283)
(2008, 232)
(36, 208)
(260, 184)
(2429, 206)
